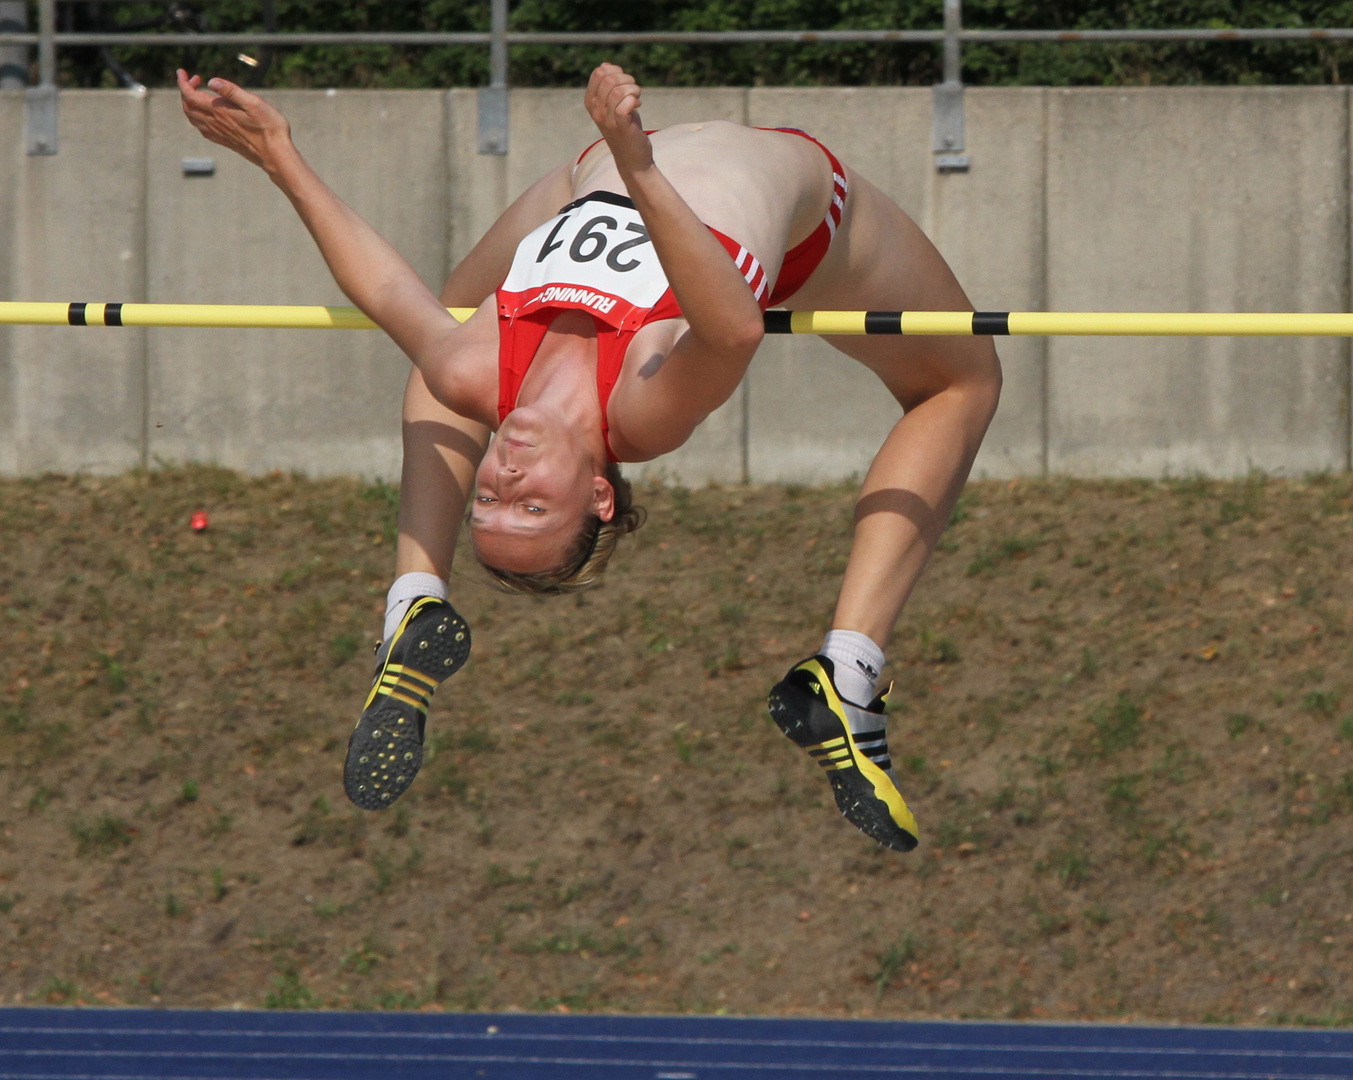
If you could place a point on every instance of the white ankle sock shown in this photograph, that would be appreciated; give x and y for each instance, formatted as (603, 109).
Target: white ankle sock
(857, 662)
(406, 589)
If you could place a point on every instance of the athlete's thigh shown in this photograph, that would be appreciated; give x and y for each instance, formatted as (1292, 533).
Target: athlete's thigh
(880, 260)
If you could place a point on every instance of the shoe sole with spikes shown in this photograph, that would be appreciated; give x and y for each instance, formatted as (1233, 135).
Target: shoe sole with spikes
(807, 708)
(385, 750)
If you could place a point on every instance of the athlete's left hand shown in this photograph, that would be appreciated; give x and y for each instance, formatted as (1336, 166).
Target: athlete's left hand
(613, 103)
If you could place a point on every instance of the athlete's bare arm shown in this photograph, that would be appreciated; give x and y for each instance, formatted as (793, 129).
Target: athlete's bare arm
(725, 324)
(368, 270)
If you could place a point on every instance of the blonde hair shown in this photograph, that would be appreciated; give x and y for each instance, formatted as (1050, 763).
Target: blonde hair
(589, 553)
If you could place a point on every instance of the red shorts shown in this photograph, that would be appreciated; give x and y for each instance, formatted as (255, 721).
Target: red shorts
(802, 259)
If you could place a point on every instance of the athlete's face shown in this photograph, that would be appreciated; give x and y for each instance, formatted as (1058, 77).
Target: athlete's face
(537, 485)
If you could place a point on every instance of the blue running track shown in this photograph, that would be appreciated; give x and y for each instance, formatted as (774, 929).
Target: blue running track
(36, 1044)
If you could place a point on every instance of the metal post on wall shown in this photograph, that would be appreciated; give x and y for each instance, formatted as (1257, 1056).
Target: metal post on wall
(492, 99)
(13, 58)
(40, 112)
(948, 96)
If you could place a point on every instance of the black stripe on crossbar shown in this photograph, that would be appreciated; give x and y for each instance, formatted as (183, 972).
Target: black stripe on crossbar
(883, 322)
(76, 315)
(778, 322)
(991, 322)
(112, 315)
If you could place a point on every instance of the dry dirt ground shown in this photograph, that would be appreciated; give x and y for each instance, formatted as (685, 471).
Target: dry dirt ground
(1124, 717)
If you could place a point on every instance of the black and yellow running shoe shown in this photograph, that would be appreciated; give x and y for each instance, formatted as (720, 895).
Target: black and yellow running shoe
(385, 749)
(807, 708)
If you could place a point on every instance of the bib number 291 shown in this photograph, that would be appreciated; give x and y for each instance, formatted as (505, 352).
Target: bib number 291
(591, 242)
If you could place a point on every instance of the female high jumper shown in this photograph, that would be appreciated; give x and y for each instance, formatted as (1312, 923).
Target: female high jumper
(605, 332)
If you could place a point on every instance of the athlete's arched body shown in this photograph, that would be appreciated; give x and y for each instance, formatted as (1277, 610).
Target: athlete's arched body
(607, 331)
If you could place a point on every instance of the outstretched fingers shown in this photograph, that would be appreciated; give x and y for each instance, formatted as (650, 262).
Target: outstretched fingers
(190, 94)
(231, 116)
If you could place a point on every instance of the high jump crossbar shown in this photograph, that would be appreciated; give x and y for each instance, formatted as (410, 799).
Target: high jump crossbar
(946, 323)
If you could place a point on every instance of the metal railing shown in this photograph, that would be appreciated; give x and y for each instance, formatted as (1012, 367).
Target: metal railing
(493, 122)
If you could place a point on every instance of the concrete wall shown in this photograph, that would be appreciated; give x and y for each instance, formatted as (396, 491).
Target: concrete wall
(1236, 201)
(1149, 199)
(323, 401)
(74, 228)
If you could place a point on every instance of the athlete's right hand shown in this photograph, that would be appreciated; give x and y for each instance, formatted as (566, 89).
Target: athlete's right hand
(613, 103)
(232, 117)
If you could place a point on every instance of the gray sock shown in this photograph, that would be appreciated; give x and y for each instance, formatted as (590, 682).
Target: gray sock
(406, 589)
(856, 661)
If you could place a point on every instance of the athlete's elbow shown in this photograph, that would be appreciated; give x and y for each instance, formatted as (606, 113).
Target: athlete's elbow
(731, 341)
(743, 337)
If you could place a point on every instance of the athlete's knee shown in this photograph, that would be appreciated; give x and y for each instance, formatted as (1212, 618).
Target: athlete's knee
(979, 395)
(964, 370)
(976, 375)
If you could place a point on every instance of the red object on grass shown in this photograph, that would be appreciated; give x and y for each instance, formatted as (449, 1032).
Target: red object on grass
(199, 521)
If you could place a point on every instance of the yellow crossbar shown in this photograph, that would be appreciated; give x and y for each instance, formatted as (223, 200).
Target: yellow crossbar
(930, 323)
(1182, 324)
(201, 315)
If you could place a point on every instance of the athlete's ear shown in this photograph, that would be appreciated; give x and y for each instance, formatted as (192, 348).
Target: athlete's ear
(603, 498)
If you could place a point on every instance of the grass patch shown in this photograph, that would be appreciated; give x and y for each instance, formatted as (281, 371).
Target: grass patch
(581, 942)
(891, 963)
(104, 836)
(1117, 726)
(288, 992)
